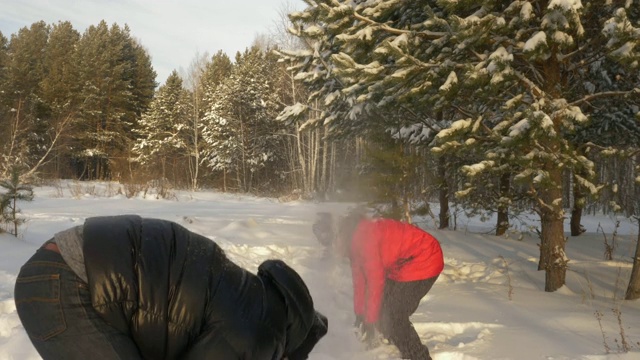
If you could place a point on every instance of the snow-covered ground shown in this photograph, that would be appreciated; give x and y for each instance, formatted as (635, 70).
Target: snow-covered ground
(489, 302)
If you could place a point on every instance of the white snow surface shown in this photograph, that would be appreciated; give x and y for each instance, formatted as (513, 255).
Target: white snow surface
(489, 303)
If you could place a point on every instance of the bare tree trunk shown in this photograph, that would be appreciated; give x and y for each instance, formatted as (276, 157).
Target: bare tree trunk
(194, 82)
(224, 180)
(243, 183)
(503, 209)
(13, 215)
(407, 208)
(325, 155)
(332, 167)
(194, 159)
(443, 193)
(302, 160)
(290, 160)
(316, 160)
(313, 160)
(576, 210)
(633, 290)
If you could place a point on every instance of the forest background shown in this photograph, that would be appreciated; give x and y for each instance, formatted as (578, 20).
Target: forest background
(497, 108)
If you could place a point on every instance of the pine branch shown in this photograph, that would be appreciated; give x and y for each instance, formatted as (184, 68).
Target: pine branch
(535, 90)
(590, 45)
(605, 94)
(426, 123)
(462, 111)
(429, 35)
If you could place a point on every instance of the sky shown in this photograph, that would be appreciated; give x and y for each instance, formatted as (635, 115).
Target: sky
(172, 31)
(488, 304)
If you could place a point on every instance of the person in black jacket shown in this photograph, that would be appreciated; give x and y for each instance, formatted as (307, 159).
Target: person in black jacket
(126, 287)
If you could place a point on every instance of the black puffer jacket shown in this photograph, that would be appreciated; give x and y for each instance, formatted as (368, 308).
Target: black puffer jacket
(179, 297)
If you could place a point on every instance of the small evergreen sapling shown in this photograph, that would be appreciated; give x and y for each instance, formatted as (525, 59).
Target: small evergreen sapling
(15, 191)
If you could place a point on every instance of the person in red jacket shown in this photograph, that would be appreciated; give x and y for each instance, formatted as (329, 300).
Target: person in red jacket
(393, 265)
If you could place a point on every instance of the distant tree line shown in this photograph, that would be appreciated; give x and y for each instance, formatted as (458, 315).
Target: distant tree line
(87, 107)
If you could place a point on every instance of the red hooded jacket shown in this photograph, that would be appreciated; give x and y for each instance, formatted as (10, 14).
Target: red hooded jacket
(389, 249)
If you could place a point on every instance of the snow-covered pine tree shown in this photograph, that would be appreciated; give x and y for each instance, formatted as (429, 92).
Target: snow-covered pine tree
(337, 98)
(215, 72)
(14, 191)
(164, 130)
(60, 100)
(240, 129)
(60, 85)
(511, 72)
(114, 91)
(24, 70)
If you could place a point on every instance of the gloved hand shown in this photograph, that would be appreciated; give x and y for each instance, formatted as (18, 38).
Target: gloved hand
(369, 336)
(359, 321)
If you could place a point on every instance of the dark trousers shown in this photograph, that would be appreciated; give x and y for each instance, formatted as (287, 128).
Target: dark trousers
(401, 299)
(54, 306)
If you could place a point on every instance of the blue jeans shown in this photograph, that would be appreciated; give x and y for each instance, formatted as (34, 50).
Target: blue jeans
(54, 306)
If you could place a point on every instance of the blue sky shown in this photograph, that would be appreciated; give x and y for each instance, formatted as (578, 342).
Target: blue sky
(172, 31)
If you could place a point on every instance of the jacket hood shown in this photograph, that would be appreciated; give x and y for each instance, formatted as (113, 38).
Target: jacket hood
(298, 301)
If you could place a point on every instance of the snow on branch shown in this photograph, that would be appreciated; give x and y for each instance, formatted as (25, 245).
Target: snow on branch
(475, 169)
(459, 125)
(452, 79)
(586, 184)
(292, 112)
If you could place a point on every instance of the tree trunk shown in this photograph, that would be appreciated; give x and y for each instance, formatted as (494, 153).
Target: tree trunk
(443, 194)
(315, 162)
(553, 259)
(196, 155)
(301, 159)
(407, 209)
(224, 180)
(633, 290)
(311, 163)
(332, 169)
(325, 160)
(242, 179)
(14, 216)
(576, 211)
(503, 209)
(550, 194)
